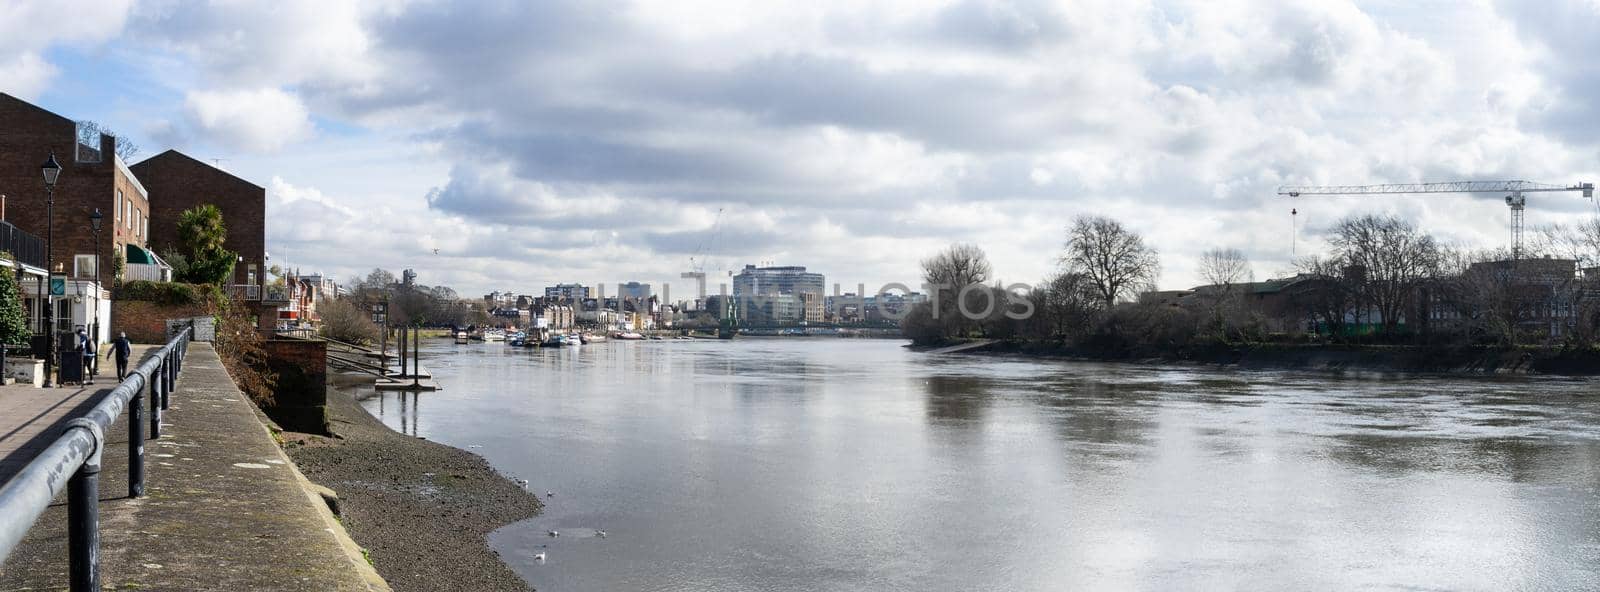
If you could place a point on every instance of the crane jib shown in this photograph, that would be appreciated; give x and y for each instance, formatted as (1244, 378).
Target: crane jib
(1446, 187)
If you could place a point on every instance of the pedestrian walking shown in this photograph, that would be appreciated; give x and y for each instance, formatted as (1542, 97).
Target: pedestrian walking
(86, 354)
(121, 348)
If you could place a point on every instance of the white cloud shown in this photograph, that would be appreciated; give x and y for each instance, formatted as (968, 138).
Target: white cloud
(258, 120)
(571, 140)
(30, 27)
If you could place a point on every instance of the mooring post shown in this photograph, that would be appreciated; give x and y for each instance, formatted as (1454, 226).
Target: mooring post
(136, 444)
(83, 514)
(402, 351)
(416, 343)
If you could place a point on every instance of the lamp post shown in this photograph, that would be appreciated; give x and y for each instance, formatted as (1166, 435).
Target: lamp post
(52, 171)
(94, 332)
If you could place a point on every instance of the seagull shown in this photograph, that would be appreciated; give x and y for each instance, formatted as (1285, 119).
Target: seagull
(436, 252)
(538, 557)
(549, 494)
(554, 533)
(600, 533)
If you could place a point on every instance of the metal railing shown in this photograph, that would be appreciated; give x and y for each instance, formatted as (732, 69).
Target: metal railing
(27, 248)
(146, 272)
(73, 461)
(245, 291)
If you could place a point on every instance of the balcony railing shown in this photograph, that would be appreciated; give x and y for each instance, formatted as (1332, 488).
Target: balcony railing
(146, 272)
(27, 248)
(245, 291)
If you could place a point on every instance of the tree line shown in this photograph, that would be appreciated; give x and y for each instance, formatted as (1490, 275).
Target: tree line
(408, 304)
(1382, 280)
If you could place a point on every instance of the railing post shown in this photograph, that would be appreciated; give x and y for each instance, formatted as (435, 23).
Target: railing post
(167, 368)
(136, 444)
(83, 515)
(155, 403)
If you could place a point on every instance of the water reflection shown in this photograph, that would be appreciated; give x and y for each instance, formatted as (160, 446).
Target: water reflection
(856, 465)
(383, 404)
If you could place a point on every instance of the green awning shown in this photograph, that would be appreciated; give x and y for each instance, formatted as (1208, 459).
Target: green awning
(137, 254)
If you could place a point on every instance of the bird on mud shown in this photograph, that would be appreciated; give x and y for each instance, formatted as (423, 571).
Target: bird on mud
(554, 533)
(600, 533)
(538, 557)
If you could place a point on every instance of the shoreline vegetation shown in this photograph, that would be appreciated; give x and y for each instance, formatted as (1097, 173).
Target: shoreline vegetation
(1386, 296)
(422, 509)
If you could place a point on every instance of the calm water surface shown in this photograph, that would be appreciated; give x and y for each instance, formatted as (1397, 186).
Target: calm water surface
(839, 465)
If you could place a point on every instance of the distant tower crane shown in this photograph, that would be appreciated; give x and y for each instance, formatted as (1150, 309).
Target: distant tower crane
(1516, 201)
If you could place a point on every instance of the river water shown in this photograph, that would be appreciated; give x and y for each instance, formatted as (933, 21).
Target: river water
(840, 465)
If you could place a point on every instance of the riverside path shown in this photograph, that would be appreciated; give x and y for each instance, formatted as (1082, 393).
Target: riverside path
(224, 509)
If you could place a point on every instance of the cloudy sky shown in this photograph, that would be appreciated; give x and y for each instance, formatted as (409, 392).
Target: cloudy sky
(536, 142)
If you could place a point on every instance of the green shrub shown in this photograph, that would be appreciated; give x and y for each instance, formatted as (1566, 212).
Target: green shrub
(168, 293)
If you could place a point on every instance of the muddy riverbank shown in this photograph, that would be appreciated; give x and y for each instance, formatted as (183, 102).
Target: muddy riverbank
(422, 509)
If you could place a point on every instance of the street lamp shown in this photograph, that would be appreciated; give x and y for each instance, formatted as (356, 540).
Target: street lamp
(51, 170)
(94, 332)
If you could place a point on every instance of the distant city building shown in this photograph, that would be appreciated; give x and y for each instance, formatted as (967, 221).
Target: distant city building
(633, 291)
(566, 293)
(752, 281)
(408, 278)
(783, 294)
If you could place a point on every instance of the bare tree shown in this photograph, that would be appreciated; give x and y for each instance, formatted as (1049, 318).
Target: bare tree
(1225, 271)
(89, 133)
(1333, 300)
(1115, 260)
(1225, 267)
(1389, 259)
(949, 273)
(1579, 242)
(1068, 304)
(343, 320)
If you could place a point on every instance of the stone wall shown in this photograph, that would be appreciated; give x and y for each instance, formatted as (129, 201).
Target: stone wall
(300, 400)
(146, 322)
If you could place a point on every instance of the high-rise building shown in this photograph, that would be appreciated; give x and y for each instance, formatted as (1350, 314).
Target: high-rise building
(566, 293)
(633, 291)
(792, 279)
(785, 294)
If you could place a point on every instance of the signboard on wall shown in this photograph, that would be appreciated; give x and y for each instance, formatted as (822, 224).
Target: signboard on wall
(58, 285)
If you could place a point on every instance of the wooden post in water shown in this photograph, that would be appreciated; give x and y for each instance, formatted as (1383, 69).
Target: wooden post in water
(416, 343)
(401, 349)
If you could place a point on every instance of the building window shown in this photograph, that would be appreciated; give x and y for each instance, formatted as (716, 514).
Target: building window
(144, 230)
(116, 214)
(250, 277)
(83, 266)
(64, 315)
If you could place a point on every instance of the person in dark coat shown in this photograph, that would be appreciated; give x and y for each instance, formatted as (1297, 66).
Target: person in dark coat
(86, 351)
(121, 348)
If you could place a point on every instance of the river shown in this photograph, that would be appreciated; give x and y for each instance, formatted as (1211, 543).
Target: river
(840, 465)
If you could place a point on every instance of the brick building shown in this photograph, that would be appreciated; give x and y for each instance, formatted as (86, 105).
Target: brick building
(178, 182)
(92, 177)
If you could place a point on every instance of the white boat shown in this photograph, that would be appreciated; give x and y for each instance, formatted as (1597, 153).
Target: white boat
(629, 336)
(463, 337)
(494, 335)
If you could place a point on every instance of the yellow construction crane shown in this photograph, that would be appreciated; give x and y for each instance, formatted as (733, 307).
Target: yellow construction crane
(1514, 198)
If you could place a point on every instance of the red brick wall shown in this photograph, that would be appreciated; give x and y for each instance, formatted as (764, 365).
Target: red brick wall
(300, 398)
(146, 322)
(28, 135)
(177, 182)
